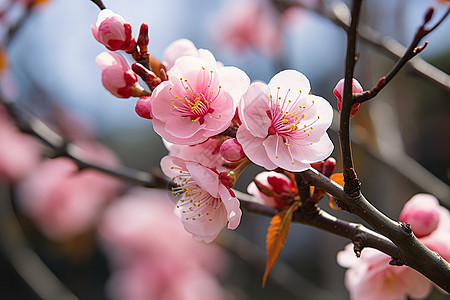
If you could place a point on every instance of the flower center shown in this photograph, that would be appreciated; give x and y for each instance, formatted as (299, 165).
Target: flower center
(196, 103)
(196, 204)
(287, 119)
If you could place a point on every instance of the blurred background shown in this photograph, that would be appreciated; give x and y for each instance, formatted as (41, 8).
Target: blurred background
(52, 71)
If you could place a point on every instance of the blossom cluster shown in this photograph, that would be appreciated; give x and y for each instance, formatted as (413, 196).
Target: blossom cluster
(215, 123)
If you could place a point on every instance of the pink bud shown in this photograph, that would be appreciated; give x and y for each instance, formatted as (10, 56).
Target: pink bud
(422, 213)
(113, 31)
(280, 185)
(339, 90)
(117, 76)
(143, 107)
(231, 150)
(329, 166)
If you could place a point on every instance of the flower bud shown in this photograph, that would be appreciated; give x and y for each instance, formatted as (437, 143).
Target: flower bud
(117, 76)
(143, 107)
(339, 91)
(113, 31)
(231, 150)
(422, 213)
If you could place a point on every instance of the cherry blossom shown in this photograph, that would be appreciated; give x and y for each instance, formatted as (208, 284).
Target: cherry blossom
(280, 185)
(372, 277)
(206, 203)
(146, 261)
(338, 91)
(283, 125)
(198, 101)
(113, 31)
(64, 201)
(206, 153)
(250, 24)
(117, 76)
(19, 153)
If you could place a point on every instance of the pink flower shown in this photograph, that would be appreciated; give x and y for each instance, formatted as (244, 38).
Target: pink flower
(177, 49)
(371, 276)
(231, 150)
(198, 101)
(283, 125)
(64, 201)
(250, 24)
(19, 153)
(113, 31)
(281, 186)
(145, 254)
(206, 204)
(117, 76)
(338, 91)
(206, 153)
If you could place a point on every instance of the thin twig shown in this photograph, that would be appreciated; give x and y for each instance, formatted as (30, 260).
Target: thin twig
(337, 13)
(99, 3)
(410, 53)
(351, 181)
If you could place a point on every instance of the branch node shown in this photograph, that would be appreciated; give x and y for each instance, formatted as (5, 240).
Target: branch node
(406, 228)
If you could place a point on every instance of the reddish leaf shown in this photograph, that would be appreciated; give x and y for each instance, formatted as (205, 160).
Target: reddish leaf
(276, 236)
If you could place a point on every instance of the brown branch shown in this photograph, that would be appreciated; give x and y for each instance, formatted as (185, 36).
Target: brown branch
(99, 3)
(410, 53)
(413, 253)
(337, 14)
(351, 181)
(310, 214)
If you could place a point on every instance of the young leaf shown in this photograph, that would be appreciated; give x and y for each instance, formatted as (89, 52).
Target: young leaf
(339, 179)
(276, 236)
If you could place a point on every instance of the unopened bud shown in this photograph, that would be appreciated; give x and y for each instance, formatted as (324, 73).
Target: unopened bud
(143, 107)
(329, 166)
(231, 150)
(422, 213)
(113, 31)
(338, 91)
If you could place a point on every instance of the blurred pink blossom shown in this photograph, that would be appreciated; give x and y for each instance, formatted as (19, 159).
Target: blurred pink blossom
(117, 76)
(113, 31)
(338, 91)
(206, 204)
(198, 101)
(19, 153)
(64, 201)
(372, 277)
(177, 49)
(250, 24)
(143, 238)
(283, 125)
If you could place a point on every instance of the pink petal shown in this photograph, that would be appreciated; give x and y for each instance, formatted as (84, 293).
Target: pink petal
(206, 178)
(177, 49)
(201, 228)
(253, 109)
(232, 205)
(308, 153)
(234, 81)
(160, 128)
(279, 154)
(290, 82)
(254, 149)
